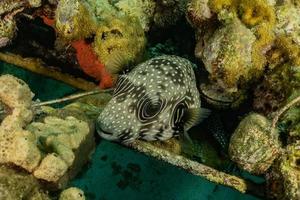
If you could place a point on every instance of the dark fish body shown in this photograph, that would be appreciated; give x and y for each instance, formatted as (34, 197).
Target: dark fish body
(155, 101)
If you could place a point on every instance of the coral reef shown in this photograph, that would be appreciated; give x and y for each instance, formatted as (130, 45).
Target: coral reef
(117, 44)
(115, 40)
(8, 10)
(233, 37)
(71, 194)
(17, 145)
(253, 146)
(227, 55)
(198, 13)
(168, 12)
(73, 20)
(284, 177)
(52, 150)
(90, 64)
(288, 21)
(143, 10)
(19, 186)
(289, 169)
(275, 88)
(7, 31)
(67, 143)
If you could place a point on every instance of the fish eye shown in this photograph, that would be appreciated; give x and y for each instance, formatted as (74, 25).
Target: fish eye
(147, 110)
(179, 114)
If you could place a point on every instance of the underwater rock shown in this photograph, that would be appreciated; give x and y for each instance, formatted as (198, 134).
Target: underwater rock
(253, 146)
(16, 185)
(119, 42)
(72, 194)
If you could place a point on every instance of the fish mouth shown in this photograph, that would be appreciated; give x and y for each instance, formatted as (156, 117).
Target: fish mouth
(106, 135)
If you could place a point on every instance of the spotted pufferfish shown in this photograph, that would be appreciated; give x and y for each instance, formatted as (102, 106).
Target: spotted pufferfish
(157, 100)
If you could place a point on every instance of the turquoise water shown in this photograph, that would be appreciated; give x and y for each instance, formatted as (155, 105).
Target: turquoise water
(116, 172)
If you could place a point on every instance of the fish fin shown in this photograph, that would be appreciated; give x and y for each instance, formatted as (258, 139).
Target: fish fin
(117, 63)
(194, 116)
(187, 137)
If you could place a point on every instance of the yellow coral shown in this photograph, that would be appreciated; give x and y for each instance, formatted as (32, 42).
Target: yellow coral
(285, 51)
(73, 20)
(218, 5)
(265, 38)
(254, 12)
(119, 42)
